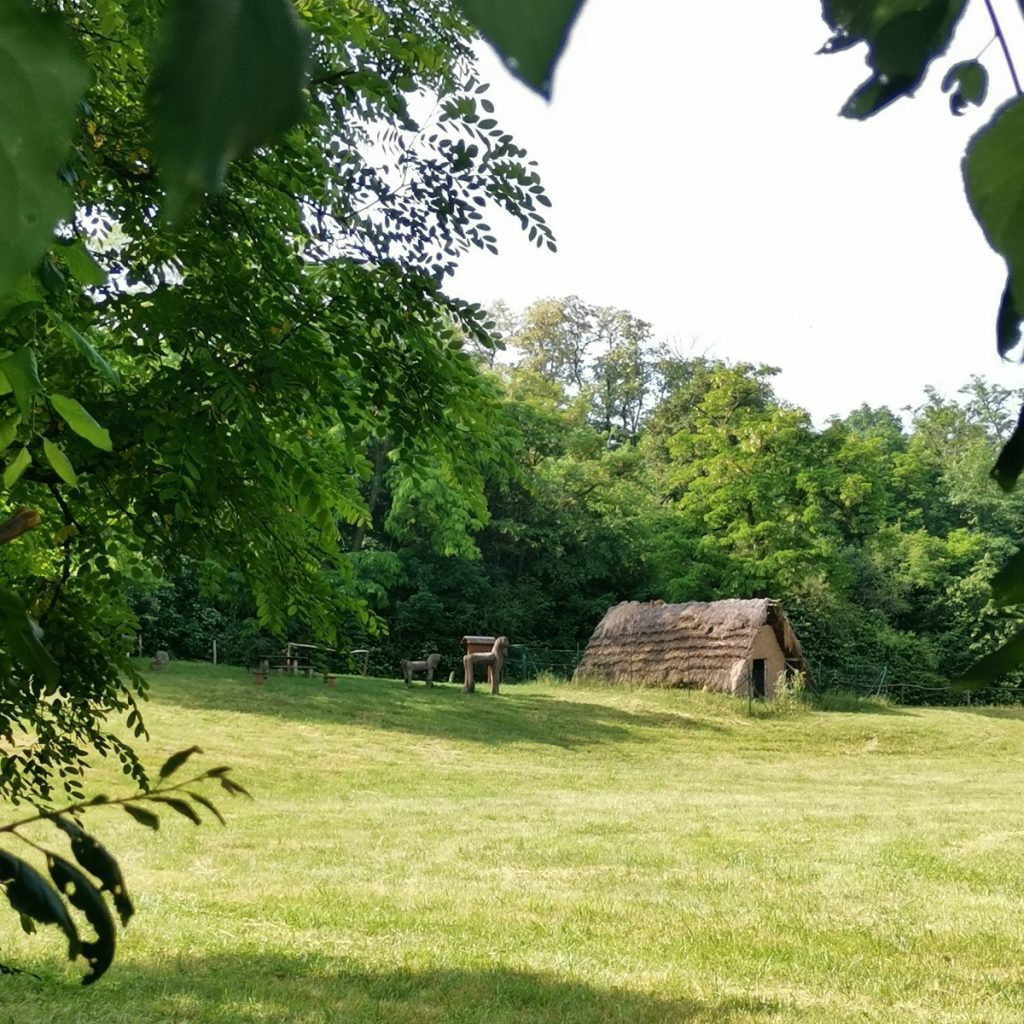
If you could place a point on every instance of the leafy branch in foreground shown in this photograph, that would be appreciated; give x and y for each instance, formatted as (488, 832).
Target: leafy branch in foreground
(80, 886)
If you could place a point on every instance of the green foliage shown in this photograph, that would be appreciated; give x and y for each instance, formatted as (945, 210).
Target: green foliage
(221, 279)
(185, 611)
(21, 633)
(204, 390)
(879, 539)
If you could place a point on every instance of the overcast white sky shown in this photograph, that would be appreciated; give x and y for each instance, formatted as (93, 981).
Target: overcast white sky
(702, 179)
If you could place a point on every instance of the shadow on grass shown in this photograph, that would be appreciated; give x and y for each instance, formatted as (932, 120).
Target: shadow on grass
(1006, 713)
(514, 716)
(846, 702)
(260, 987)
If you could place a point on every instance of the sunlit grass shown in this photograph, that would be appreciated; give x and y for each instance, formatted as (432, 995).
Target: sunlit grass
(560, 854)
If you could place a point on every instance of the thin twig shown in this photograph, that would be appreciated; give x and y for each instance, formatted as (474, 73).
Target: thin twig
(82, 805)
(1002, 42)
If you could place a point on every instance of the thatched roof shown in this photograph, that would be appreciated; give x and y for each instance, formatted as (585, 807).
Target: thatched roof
(693, 644)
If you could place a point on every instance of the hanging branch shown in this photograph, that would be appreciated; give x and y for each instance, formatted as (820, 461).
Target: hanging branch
(93, 877)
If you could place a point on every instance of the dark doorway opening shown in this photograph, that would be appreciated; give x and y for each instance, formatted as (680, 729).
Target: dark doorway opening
(758, 678)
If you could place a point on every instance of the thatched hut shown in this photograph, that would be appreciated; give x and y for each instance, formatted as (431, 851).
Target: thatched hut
(740, 647)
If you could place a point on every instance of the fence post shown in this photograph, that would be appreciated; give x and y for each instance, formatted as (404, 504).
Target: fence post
(215, 650)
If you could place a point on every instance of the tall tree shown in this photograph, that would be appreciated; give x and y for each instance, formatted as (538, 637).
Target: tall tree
(556, 337)
(604, 354)
(258, 205)
(624, 372)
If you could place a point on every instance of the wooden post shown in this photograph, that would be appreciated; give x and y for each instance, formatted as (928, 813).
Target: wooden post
(215, 650)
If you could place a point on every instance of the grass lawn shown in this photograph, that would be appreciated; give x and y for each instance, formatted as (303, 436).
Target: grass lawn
(559, 855)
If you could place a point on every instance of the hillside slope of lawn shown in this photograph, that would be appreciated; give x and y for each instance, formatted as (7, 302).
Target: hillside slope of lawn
(559, 854)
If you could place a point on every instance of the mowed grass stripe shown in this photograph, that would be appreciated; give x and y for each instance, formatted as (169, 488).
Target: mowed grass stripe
(561, 854)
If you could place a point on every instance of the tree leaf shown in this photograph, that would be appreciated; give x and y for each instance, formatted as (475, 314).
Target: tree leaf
(60, 462)
(903, 42)
(1008, 322)
(873, 95)
(76, 417)
(987, 670)
(228, 76)
(968, 83)
(9, 431)
(17, 466)
(22, 637)
(994, 179)
(22, 374)
(87, 349)
(25, 296)
(1008, 583)
(95, 858)
(84, 268)
(529, 36)
(1010, 463)
(30, 895)
(175, 761)
(81, 893)
(183, 807)
(143, 816)
(42, 77)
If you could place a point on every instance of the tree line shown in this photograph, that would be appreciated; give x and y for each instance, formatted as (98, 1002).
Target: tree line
(614, 468)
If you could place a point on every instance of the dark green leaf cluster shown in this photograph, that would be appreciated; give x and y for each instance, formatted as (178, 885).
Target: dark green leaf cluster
(903, 38)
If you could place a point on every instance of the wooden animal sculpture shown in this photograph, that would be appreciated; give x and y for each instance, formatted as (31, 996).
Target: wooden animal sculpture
(427, 667)
(493, 659)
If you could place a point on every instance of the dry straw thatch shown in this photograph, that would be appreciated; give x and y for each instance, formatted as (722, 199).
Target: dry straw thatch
(705, 645)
